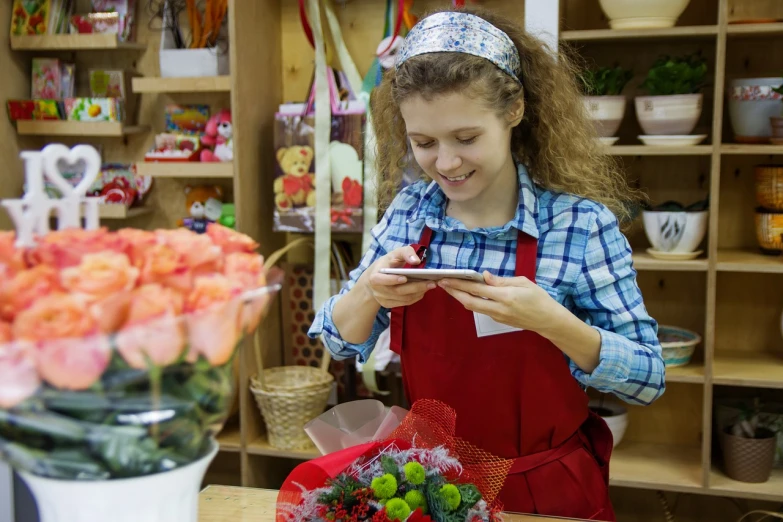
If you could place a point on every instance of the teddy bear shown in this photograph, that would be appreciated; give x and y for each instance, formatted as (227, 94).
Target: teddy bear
(296, 187)
(204, 204)
(218, 139)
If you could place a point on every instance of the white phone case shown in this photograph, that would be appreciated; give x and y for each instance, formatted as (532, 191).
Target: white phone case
(434, 274)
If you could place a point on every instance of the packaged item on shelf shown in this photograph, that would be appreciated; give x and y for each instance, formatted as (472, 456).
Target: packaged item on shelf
(100, 23)
(94, 109)
(170, 147)
(187, 119)
(67, 80)
(32, 17)
(111, 83)
(204, 204)
(218, 139)
(127, 11)
(46, 79)
(35, 110)
(294, 184)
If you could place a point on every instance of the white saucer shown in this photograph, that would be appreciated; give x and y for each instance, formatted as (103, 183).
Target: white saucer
(674, 256)
(672, 141)
(609, 141)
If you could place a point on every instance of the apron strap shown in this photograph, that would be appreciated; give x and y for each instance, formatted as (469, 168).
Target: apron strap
(535, 460)
(527, 255)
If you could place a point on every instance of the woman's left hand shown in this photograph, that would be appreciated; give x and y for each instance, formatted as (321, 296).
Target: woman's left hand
(513, 301)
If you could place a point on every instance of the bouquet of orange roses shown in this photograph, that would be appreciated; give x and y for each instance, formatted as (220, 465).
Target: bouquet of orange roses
(116, 348)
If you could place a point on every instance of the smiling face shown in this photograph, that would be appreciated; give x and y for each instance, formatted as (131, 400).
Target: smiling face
(462, 145)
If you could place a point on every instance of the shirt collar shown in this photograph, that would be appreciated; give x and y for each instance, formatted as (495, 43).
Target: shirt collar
(432, 209)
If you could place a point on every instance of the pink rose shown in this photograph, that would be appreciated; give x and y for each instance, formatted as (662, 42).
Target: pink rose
(25, 287)
(198, 251)
(229, 240)
(163, 265)
(11, 258)
(213, 318)
(155, 327)
(247, 271)
(100, 275)
(70, 351)
(139, 242)
(65, 248)
(18, 374)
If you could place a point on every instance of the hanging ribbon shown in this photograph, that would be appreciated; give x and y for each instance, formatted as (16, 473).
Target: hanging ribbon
(323, 176)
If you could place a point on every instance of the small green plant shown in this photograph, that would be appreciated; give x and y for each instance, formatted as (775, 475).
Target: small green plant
(605, 81)
(683, 75)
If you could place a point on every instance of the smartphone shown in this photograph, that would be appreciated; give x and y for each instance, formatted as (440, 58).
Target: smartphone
(434, 274)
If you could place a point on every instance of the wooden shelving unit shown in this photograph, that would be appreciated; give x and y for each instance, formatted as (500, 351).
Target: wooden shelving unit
(604, 35)
(189, 170)
(108, 129)
(756, 370)
(644, 261)
(73, 42)
(760, 30)
(755, 150)
(109, 211)
(748, 260)
(182, 85)
(650, 150)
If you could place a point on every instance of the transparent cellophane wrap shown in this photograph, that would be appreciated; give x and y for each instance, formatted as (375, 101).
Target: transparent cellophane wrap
(353, 435)
(117, 349)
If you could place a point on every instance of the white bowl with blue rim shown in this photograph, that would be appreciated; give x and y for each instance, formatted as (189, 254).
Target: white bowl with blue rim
(678, 345)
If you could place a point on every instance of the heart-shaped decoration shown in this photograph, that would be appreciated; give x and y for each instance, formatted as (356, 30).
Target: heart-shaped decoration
(56, 155)
(345, 163)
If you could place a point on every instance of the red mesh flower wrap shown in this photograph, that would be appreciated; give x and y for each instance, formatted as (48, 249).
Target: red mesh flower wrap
(429, 424)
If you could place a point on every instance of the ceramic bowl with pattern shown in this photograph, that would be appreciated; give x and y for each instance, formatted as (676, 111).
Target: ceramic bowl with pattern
(769, 231)
(677, 344)
(752, 103)
(643, 14)
(606, 113)
(677, 231)
(675, 114)
(769, 186)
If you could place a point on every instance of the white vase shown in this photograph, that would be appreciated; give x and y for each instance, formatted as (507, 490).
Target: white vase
(163, 497)
(606, 113)
(643, 14)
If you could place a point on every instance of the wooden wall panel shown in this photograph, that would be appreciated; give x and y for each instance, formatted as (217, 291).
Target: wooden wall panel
(587, 14)
(748, 313)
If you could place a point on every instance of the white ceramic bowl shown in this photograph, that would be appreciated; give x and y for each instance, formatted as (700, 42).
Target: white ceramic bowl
(606, 113)
(617, 422)
(676, 114)
(675, 231)
(641, 14)
(750, 114)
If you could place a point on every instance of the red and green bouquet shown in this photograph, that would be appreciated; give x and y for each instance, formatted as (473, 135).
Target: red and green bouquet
(412, 470)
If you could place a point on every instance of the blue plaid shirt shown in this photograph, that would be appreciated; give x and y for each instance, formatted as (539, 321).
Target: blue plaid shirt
(584, 262)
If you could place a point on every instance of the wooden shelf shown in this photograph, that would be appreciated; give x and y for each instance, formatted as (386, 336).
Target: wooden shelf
(644, 261)
(261, 447)
(692, 373)
(119, 211)
(72, 42)
(649, 150)
(229, 439)
(655, 466)
(194, 84)
(771, 490)
(190, 169)
(737, 148)
(754, 29)
(738, 260)
(599, 35)
(109, 129)
(752, 369)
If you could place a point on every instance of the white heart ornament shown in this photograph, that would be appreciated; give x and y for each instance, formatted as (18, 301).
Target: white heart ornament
(55, 153)
(345, 163)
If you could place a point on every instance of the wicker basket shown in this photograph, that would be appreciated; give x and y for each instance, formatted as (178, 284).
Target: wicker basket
(290, 396)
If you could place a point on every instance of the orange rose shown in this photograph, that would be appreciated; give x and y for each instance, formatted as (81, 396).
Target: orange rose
(230, 240)
(71, 354)
(163, 265)
(100, 275)
(155, 327)
(247, 270)
(11, 258)
(5, 333)
(65, 248)
(23, 289)
(17, 371)
(198, 251)
(213, 318)
(139, 241)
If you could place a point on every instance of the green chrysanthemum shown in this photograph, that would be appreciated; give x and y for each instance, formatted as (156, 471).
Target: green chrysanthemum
(415, 500)
(397, 509)
(384, 486)
(451, 496)
(414, 473)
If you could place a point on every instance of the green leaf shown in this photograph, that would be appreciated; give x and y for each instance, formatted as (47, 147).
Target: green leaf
(682, 75)
(66, 464)
(390, 466)
(605, 81)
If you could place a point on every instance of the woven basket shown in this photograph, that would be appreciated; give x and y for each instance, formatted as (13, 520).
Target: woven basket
(749, 460)
(290, 396)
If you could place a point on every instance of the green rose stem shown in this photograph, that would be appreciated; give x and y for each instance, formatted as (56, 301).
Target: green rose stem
(156, 376)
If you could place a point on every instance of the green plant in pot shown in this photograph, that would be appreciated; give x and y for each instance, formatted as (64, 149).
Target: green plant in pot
(748, 447)
(673, 103)
(604, 103)
(777, 121)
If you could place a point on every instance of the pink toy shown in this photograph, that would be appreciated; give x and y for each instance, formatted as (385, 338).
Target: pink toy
(218, 140)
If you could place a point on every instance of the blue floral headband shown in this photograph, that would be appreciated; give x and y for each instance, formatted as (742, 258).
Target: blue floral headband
(461, 33)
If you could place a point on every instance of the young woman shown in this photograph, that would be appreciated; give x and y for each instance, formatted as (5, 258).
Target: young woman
(514, 186)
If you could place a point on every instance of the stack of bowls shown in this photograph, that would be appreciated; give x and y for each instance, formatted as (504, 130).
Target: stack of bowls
(769, 214)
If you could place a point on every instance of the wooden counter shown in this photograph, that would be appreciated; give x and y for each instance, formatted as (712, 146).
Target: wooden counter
(233, 504)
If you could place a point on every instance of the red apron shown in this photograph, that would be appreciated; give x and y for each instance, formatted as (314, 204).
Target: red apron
(514, 396)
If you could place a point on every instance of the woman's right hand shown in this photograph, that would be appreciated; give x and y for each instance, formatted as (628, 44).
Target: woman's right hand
(391, 291)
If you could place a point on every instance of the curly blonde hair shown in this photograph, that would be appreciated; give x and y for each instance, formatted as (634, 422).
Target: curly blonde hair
(555, 139)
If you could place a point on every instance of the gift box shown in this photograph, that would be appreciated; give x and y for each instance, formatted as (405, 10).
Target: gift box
(294, 184)
(30, 17)
(103, 23)
(94, 109)
(108, 83)
(35, 110)
(127, 11)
